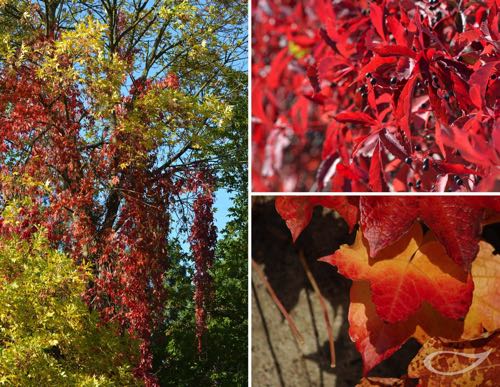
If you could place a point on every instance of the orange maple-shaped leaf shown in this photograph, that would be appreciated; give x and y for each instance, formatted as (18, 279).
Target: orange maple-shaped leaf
(468, 363)
(485, 308)
(297, 210)
(377, 340)
(406, 274)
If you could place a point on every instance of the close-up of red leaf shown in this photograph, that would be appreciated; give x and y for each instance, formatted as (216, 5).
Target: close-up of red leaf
(455, 222)
(426, 69)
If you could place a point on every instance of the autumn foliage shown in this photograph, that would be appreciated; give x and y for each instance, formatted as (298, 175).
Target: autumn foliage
(413, 277)
(375, 95)
(108, 120)
(203, 237)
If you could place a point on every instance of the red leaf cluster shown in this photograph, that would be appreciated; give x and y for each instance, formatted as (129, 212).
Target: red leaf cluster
(383, 95)
(455, 220)
(203, 237)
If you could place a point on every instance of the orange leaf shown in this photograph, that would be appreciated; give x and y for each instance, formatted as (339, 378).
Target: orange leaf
(377, 340)
(406, 274)
(462, 363)
(485, 307)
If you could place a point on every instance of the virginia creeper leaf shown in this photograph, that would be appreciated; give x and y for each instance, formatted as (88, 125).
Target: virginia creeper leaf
(457, 222)
(297, 210)
(405, 275)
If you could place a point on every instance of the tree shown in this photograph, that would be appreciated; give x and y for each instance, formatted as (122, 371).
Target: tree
(109, 114)
(224, 358)
(48, 336)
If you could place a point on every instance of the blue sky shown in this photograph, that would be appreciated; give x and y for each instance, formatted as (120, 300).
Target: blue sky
(223, 202)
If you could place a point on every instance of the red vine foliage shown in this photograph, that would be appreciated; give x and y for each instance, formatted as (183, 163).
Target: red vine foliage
(203, 237)
(105, 203)
(379, 95)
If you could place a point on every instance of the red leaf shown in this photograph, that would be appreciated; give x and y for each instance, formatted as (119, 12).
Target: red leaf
(394, 51)
(478, 83)
(461, 90)
(296, 211)
(393, 145)
(456, 222)
(278, 65)
(355, 117)
(458, 169)
(437, 106)
(398, 31)
(403, 109)
(376, 179)
(377, 17)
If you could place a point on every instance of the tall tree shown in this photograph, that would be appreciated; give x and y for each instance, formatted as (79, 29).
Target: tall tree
(110, 111)
(224, 357)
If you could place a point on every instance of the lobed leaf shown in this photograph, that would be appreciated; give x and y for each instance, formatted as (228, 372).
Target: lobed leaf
(405, 275)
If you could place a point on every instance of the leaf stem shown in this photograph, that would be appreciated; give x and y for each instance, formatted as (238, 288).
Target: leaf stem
(278, 303)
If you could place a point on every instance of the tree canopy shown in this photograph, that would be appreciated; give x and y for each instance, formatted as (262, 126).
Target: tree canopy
(48, 336)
